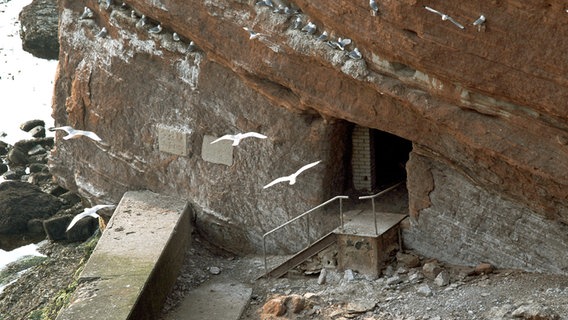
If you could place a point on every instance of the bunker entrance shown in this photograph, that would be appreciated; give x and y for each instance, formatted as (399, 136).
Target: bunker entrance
(378, 159)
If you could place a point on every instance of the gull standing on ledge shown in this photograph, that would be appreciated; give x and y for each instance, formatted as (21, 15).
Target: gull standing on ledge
(445, 17)
(239, 136)
(74, 133)
(292, 178)
(87, 14)
(91, 212)
(374, 7)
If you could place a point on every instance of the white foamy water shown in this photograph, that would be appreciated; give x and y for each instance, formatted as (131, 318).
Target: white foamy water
(7, 257)
(26, 82)
(26, 89)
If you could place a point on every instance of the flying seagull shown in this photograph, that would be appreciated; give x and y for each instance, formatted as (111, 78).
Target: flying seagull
(253, 34)
(446, 17)
(292, 178)
(74, 133)
(374, 6)
(239, 136)
(91, 212)
(87, 14)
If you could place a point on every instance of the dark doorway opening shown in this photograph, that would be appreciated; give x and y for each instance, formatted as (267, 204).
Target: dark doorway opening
(389, 154)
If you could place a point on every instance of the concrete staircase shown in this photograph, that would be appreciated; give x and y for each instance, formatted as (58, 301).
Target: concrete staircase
(363, 244)
(136, 260)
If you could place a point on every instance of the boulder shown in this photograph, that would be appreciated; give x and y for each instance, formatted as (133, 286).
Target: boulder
(55, 228)
(21, 202)
(30, 124)
(39, 29)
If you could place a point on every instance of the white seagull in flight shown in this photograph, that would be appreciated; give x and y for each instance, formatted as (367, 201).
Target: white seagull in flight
(446, 17)
(292, 178)
(253, 34)
(91, 212)
(74, 133)
(239, 136)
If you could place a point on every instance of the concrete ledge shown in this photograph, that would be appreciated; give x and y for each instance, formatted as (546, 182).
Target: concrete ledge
(135, 262)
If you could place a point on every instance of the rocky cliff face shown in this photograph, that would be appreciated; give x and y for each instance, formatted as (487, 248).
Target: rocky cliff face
(483, 106)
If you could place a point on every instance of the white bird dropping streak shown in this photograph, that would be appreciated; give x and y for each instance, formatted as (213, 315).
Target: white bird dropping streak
(74, 133)
(239, 136)
(91, 212)
(292, 178)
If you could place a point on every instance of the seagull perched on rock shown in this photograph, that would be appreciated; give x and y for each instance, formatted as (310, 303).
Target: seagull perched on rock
(155, 30)
(191, 47)
(479, 21)
(292, 178)
(91, 212)
(355, 54)
(374, 7)
(281, 9)
(74, 133)
(239, 136)
(87, 14)
(108, 3)
(446, 17)
(266, 3)
(339, 44)
(102, 33)
(323, 36)
(310, 28)
(141, 22)
(297, 23)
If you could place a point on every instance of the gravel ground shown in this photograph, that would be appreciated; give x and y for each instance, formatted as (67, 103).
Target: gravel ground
(402, 293)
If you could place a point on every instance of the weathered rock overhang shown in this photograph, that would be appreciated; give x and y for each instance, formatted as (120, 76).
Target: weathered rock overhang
(488, 103)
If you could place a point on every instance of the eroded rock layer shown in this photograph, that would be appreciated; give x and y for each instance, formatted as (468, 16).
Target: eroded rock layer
(486, 102)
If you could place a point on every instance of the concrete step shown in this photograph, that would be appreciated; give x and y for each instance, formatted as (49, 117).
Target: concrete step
(136, 260)
(214, 300)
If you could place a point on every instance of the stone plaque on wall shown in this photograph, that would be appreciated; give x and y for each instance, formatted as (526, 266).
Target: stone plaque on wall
(220, 152)
(173, 140)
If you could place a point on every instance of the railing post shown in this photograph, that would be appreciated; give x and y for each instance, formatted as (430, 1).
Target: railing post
(375, 216)
(309, 238)
(264, 254)
(341, 212)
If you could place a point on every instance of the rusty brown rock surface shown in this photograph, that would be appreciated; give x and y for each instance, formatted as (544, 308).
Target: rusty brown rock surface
(487, 103)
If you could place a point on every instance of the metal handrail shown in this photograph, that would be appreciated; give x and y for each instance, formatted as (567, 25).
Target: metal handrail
(308, 224)
(372, 197)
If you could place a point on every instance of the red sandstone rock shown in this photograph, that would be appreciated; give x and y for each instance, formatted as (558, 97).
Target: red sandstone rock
(485, 112)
